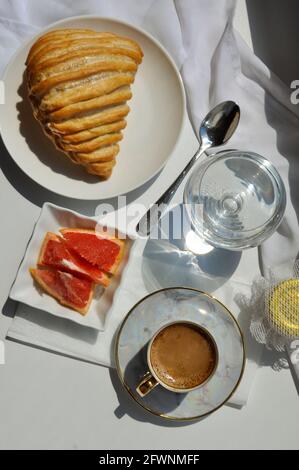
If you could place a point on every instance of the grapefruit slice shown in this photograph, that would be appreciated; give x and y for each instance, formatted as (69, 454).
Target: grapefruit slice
(69, 290)
(55, 253)
(97, 248)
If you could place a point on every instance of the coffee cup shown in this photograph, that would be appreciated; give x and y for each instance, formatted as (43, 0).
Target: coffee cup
(181, 356)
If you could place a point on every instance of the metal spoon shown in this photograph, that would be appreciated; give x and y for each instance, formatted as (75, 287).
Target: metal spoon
(216, 129)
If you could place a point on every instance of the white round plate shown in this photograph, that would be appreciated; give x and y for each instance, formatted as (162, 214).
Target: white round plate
(154, 122)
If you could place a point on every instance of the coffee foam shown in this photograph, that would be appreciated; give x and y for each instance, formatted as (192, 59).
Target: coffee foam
(183, 356)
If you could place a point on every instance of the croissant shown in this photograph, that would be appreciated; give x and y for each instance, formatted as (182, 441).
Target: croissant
(78, 84)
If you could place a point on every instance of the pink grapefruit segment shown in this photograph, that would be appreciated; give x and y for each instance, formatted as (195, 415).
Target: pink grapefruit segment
(55, 253)
(98, 249)
(69, 290)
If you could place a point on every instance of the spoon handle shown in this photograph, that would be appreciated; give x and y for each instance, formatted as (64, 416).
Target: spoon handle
(154, 214)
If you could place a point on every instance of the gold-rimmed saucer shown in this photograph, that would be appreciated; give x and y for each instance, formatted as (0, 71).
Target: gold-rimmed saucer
(186, 304)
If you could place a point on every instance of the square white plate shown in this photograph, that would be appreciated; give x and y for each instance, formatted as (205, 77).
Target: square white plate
(24, 289)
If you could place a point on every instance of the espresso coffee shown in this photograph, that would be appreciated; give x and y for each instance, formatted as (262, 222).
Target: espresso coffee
(183, 355)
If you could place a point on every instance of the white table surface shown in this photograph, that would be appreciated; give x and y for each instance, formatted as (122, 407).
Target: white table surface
(54, 402)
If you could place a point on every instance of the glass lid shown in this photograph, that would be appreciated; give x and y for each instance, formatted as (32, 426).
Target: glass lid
(235, 199)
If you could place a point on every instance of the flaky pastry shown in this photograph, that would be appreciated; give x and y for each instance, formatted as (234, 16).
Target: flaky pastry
(79, 84)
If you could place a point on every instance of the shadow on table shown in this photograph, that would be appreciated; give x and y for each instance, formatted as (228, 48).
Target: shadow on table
(9, 308)
(127, 405)
(274, 32)
(168, 261)
(287, 141)
(277, 50)
(275, 38)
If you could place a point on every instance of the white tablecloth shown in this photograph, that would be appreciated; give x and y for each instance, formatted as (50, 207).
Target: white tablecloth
(215, 65)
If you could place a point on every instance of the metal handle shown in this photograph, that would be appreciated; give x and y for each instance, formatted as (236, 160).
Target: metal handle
(154, 214)
(147, 384)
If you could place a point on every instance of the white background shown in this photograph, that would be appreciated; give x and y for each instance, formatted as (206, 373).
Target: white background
(50, 401)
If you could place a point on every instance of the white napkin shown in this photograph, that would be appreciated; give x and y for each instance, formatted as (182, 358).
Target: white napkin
(215, 65)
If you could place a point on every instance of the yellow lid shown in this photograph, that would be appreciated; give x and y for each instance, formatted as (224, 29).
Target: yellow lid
(284, 307)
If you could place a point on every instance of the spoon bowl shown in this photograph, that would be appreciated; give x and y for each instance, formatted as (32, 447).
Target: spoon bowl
(219, 124)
